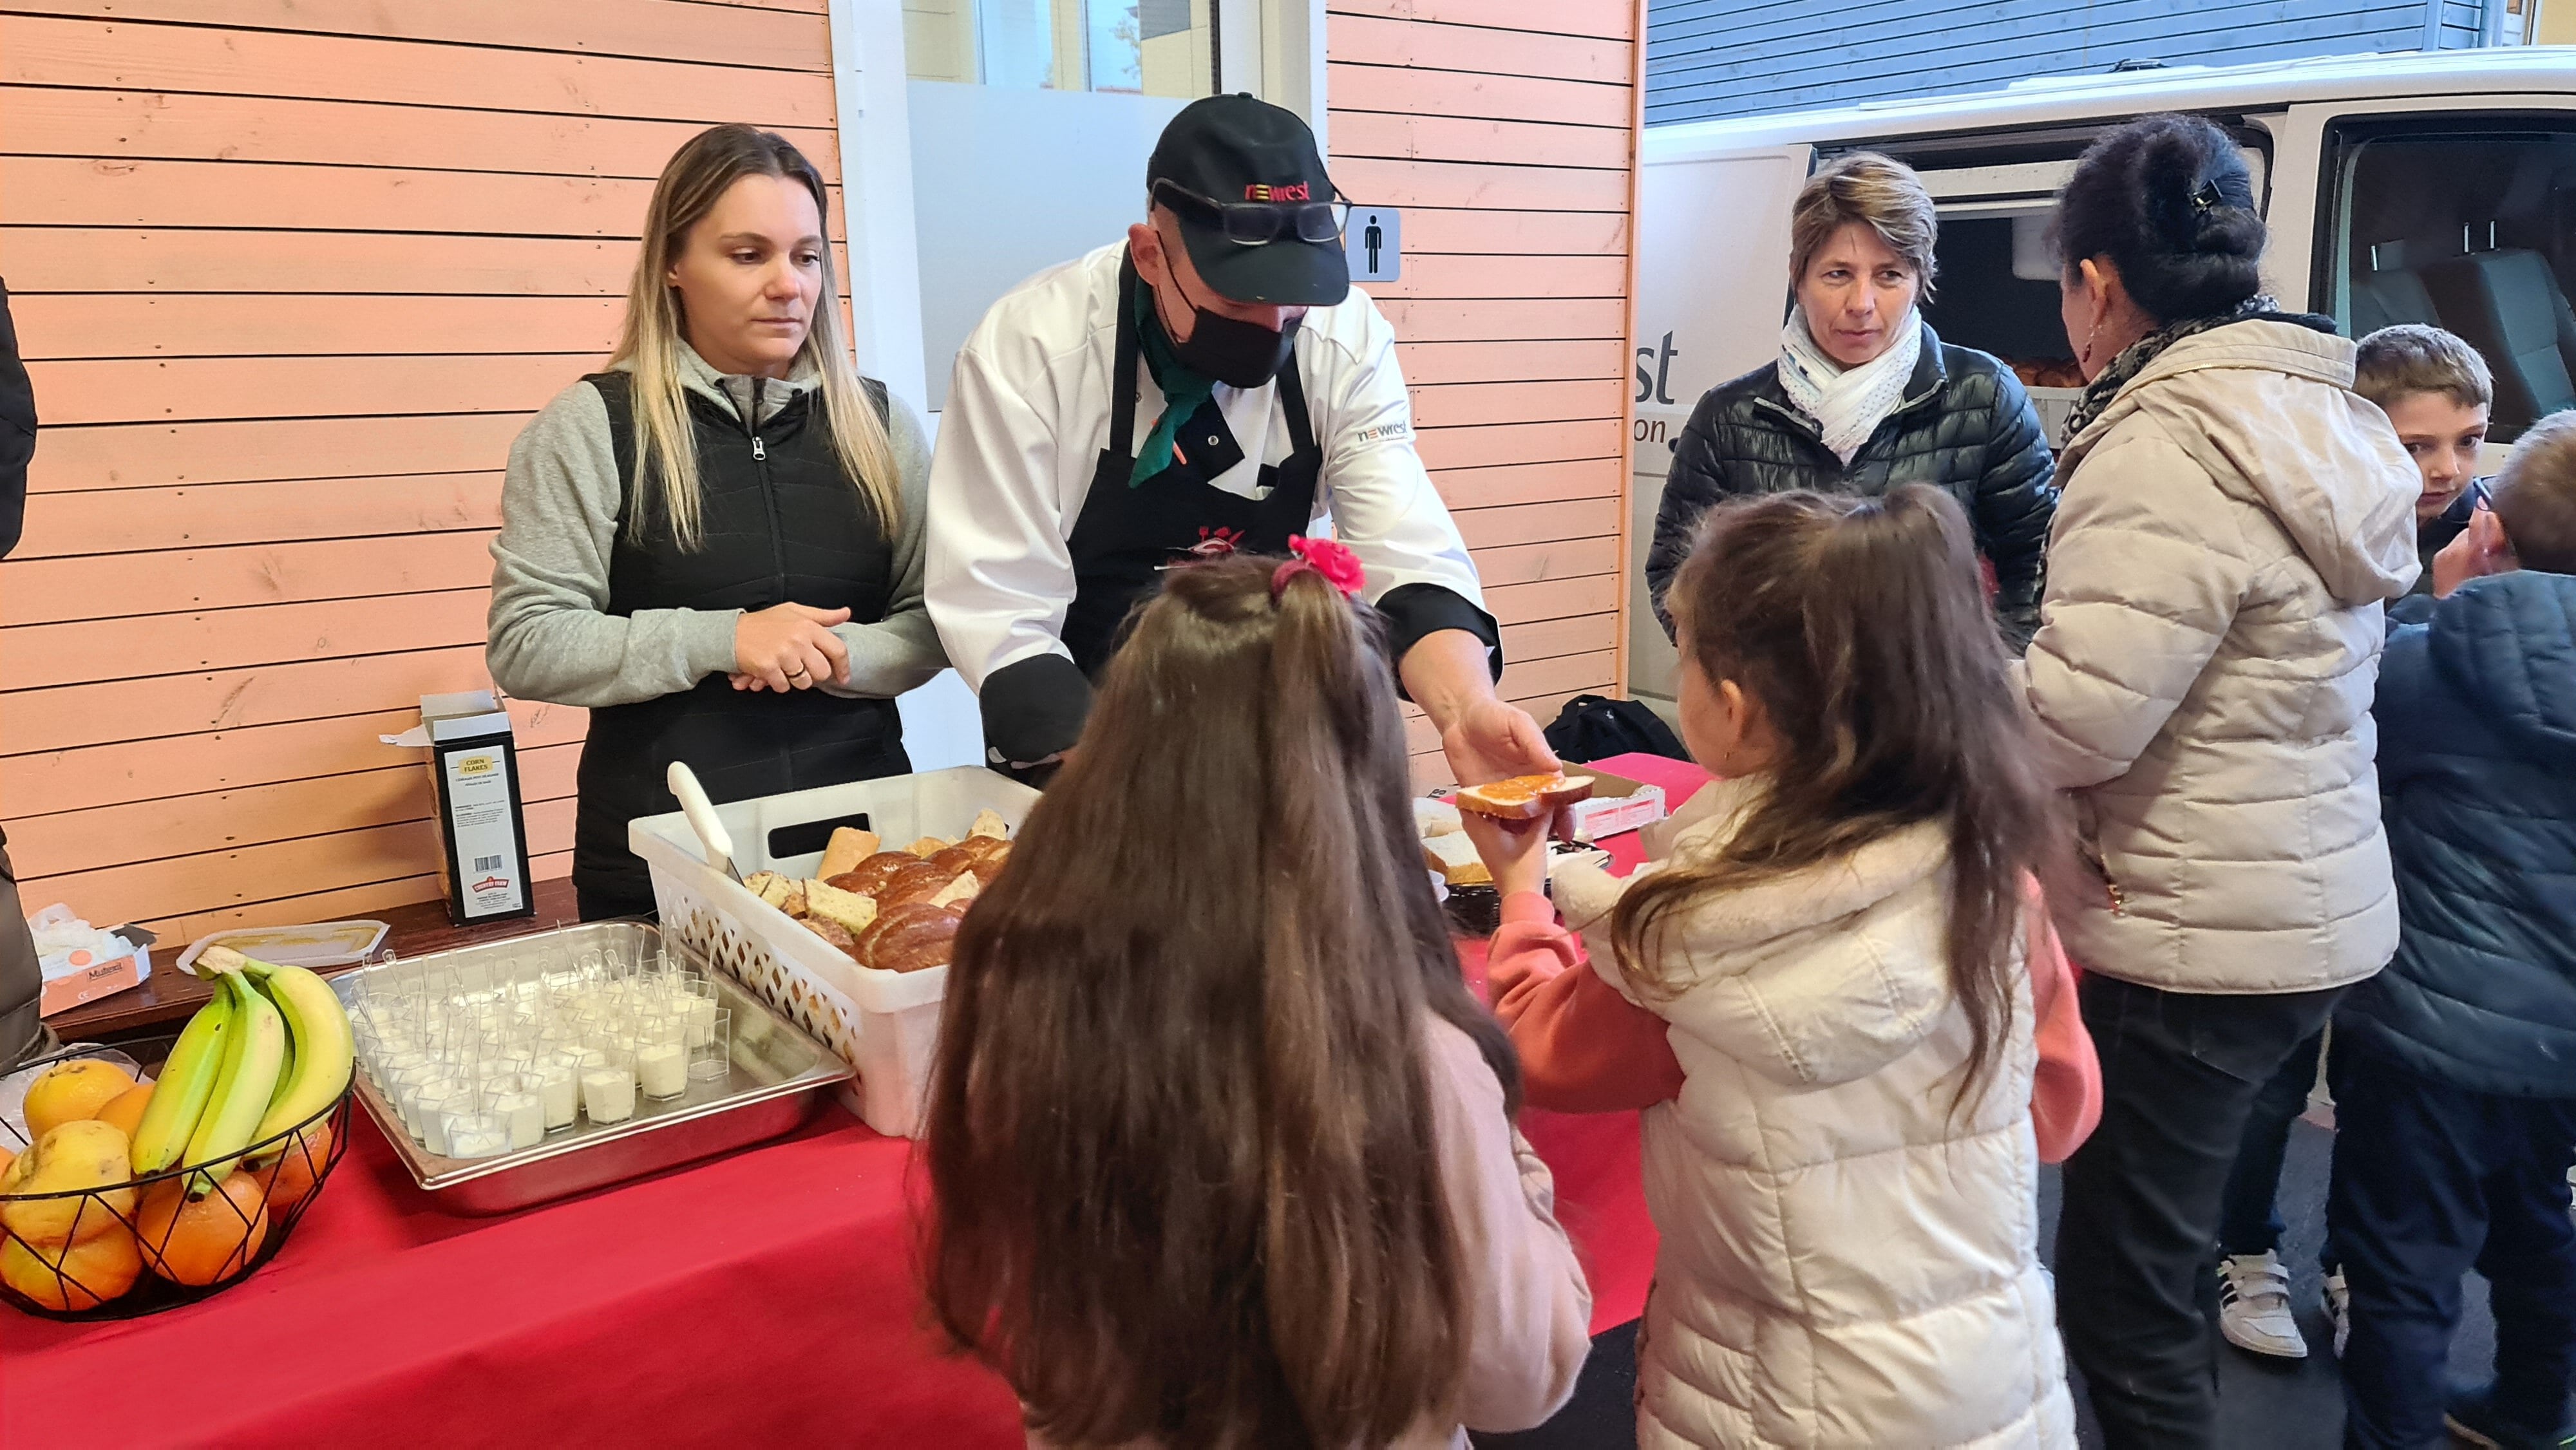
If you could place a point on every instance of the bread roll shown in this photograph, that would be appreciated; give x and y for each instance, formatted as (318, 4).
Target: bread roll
(985, 855)
(908, 938)
(823, 900)
(870, 876)
(963, 888)
(929, 846)
(917, 882)
(849, 847)
(954, 860)
(832, 931)
(988, 825)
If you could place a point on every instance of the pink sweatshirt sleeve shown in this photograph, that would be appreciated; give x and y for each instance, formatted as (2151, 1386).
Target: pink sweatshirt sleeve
(2066, 1090)
(1529, 1308)
(1584, 1048)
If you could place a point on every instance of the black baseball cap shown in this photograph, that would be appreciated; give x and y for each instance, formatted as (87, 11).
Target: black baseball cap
(1236, 151)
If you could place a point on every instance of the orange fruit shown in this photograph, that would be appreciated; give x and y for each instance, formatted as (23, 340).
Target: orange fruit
(124, 1112)
(82, 1155)
(207, 1240)
(70, 1091)
(288, 1179)
(93, 1271)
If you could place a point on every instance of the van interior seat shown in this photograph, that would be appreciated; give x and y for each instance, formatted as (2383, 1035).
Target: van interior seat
(2393, 290)
(2509, 306)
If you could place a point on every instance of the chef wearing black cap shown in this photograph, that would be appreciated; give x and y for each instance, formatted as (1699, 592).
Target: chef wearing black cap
(1211, 382)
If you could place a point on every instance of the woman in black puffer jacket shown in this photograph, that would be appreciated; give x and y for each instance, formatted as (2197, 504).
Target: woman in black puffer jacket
(1864, 397)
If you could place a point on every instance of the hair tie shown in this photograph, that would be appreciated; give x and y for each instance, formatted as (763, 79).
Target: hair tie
(2209, 198)
(1339, 566)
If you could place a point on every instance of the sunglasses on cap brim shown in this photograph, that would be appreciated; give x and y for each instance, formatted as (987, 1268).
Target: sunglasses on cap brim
(1258, 223)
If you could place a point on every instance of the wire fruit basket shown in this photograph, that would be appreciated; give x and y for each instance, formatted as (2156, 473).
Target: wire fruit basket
(149, 1244)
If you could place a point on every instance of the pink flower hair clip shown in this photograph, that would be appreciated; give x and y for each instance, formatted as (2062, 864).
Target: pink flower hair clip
(1339, 566)
(1213, 544)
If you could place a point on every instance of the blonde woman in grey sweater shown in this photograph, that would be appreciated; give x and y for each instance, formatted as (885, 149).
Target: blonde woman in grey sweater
(715, 545)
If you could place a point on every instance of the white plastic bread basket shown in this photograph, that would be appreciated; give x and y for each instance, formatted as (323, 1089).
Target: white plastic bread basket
(885, 1024)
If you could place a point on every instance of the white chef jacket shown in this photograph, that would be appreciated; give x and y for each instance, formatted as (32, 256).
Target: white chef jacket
(1027, 418)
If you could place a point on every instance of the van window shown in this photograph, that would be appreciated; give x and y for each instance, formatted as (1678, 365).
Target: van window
(2466, 226)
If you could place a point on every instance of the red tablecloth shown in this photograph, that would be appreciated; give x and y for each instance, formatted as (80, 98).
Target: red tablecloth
(760, 1299)
(763, 1298)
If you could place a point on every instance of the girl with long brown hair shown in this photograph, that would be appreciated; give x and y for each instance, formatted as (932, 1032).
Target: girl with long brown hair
(1829, 996)
(715, 544)
(1221, 1147)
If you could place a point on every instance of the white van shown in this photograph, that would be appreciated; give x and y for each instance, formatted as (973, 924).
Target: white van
(2433, 188)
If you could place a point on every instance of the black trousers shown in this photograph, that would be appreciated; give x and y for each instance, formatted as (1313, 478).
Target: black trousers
(601, 905)
(2142, 1196)
(2431, 1180)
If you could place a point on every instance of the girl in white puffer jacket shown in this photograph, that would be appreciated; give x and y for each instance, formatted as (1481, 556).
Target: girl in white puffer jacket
(1836, 991)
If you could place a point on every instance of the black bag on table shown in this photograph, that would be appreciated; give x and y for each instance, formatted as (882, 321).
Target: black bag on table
(1595, 727)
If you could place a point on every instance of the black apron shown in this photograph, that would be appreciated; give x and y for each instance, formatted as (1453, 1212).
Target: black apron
(1125, 536)
(779, 523)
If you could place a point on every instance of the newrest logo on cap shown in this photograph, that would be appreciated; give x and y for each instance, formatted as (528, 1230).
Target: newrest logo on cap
(1258, 192)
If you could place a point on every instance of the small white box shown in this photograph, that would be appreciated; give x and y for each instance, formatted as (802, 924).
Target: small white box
(1616, 805)
(885, 1024)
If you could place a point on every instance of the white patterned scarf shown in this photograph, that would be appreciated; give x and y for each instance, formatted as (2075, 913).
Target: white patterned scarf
(1848, 404)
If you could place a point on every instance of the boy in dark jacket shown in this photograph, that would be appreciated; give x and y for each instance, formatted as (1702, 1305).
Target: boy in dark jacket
(2436, 391)
(2456, 1126)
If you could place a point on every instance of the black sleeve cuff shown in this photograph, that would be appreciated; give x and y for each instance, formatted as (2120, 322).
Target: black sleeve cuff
(1415, 610)
(1033, 710)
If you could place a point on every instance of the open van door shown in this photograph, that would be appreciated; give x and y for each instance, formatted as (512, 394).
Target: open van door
(1712, 291)
(2462, 217)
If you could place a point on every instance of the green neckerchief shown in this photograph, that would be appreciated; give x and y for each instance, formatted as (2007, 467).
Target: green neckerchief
(1183, 390)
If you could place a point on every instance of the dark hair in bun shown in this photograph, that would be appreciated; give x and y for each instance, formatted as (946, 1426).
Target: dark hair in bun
(2169, 201)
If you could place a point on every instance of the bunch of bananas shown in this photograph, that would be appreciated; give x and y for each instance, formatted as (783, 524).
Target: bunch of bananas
(270, 1051)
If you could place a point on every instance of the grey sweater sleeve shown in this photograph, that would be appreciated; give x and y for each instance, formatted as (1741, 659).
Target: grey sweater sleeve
(902, 651)
(550, 637)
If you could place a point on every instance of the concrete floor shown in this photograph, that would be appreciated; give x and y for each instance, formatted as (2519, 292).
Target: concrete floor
(2264, 1404)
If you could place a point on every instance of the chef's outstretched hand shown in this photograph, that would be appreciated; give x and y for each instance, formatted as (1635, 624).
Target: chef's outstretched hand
(1495, 740)
(789, 647)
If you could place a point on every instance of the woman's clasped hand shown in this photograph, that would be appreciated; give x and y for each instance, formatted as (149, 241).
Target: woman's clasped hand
(789, 647)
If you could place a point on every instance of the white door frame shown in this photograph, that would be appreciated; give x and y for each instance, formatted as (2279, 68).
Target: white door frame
(1274, 48)
(876, 193)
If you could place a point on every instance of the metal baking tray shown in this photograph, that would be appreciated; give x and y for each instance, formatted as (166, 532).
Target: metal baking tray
(778, 1079)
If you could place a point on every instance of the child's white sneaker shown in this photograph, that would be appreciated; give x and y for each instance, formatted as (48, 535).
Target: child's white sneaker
(2339, 1309)
(2254, 1306)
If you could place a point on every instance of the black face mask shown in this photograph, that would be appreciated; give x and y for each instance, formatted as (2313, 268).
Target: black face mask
(1237, 353)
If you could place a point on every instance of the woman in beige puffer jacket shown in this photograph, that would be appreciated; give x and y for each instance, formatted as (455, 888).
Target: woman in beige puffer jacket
(2233, 518)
